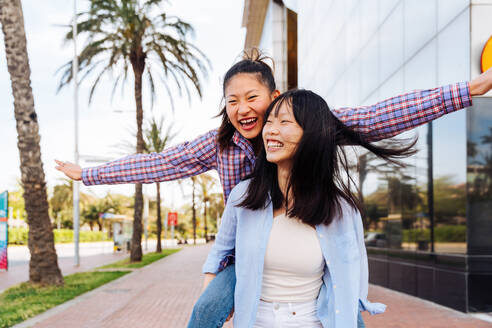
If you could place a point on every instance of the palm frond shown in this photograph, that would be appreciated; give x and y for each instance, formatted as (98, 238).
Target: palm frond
(116, 30)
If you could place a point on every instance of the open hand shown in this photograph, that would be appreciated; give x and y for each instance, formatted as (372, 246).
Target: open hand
(73, 171)
(481, 84)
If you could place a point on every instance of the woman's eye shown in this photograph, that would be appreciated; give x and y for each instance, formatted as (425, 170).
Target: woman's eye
(284, 121)
(252, 97)
(232, 102)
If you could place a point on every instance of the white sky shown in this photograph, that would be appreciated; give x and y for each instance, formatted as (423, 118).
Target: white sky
(219, 35)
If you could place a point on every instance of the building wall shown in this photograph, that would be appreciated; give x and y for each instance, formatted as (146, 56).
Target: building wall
(274, 42)
(359, 52)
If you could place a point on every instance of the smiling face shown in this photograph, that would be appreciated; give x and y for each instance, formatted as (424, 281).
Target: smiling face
(281, 135)
(247, 99)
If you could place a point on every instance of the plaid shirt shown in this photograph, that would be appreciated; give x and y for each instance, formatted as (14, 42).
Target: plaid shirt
(380, 121)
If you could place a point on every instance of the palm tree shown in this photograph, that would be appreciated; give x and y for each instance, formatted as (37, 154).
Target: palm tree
(206, 183)
(123, 34)
(193, 208)
(156, 139)
(43, 265)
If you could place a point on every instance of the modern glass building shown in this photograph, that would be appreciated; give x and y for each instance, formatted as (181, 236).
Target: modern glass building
(429, 225)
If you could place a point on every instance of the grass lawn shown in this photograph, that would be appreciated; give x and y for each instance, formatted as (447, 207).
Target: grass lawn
(146, 259)
(26, 300)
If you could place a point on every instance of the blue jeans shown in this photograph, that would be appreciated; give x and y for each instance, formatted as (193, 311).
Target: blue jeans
(217, 301)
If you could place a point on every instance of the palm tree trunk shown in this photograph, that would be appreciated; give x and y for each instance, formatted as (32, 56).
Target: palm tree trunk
(43, 265)
(205, 220)
(138, 64)
(194, 211)
(159, 221)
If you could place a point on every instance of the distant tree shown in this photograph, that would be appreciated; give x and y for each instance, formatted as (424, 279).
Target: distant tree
(193, 207)
(61, 203)
(206, 184)
(156, 140)
(16, 202)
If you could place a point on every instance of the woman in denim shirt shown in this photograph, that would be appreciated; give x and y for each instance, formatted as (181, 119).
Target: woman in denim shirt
(296, 226)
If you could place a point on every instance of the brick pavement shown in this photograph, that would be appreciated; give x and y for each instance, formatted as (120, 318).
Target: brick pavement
(162, 295)
(158, 295)
(405, 311)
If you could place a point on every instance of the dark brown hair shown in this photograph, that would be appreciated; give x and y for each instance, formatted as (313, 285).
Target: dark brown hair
(253, 62)
(317, 182)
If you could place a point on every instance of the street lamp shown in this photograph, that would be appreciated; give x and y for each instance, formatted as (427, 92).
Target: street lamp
(75, 69)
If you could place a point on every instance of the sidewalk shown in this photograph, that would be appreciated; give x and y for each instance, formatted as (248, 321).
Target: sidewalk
(19, 269)
(20, 273)
(162, 295)
(92, 255)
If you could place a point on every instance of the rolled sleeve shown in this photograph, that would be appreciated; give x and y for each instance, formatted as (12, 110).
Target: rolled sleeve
(90, 176)
(456, 96)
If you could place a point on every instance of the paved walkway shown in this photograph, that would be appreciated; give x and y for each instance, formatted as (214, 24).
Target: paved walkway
(92, 255)
(162, 295)
(20, 273)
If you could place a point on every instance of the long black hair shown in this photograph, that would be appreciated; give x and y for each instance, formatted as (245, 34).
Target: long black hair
(253, 62)
(316, 184)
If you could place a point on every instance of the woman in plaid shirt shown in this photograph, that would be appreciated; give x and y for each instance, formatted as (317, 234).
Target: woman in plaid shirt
(249, 88)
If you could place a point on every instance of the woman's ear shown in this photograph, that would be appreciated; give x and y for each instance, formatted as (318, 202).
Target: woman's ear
(275, 94)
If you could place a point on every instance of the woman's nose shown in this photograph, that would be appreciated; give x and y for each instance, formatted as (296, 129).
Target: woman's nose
(243, 109)
(271, 130)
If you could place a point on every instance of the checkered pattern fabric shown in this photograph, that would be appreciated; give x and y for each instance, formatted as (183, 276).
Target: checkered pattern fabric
(380, 121)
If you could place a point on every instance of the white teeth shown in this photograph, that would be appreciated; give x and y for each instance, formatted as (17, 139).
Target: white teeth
(250, 120)
(274, 144)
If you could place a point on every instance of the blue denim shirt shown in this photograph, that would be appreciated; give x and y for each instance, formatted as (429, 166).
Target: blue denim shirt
(345, 279)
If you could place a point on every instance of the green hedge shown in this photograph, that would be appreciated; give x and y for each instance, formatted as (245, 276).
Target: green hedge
(443, 234)
(18, 236)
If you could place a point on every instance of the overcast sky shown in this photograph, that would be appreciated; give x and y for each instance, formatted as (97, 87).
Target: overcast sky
(218, 34)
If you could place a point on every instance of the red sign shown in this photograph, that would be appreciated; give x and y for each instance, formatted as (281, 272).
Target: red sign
(172, 219)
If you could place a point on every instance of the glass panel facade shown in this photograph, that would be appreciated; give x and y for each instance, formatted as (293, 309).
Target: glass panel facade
(398, 215)
(479, 177)
(449, 159)
(395, 199)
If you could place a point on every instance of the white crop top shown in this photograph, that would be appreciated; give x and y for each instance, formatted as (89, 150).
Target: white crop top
(293, 267)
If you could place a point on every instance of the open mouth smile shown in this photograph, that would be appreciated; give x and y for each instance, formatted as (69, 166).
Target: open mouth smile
(273, 145)
(248, 123)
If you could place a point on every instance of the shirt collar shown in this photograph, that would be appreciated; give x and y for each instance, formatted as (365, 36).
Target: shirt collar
(244, 144)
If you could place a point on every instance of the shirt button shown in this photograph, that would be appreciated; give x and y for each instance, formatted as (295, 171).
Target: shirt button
(320, 236)
(276, 306)
(334, 286)
(328, 262)
(337, 312)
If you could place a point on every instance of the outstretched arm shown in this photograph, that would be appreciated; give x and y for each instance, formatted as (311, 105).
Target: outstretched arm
(181, 161)
(401, 113)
